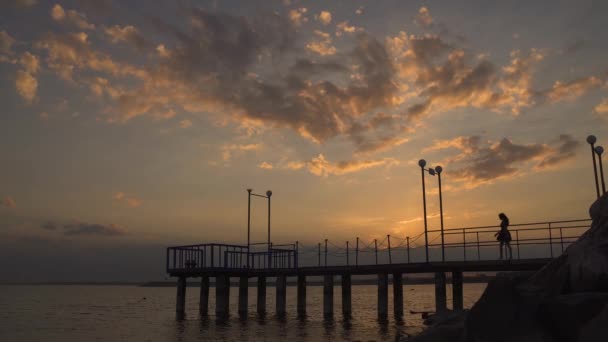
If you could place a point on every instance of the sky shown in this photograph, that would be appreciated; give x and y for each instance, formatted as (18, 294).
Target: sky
(130, 126)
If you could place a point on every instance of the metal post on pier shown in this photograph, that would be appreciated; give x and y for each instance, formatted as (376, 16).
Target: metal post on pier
(325, 252)
(407, 240)
(376, 249)
(591, 141)
(599, 150)
(248, 223)
(550, 241)
(268, 194)
(347, 261)
(422, 163)
(517, 242)
(478, 249)
(464, 244)
(390, 260)
(296, 256)
(357, 253)
(438, 169)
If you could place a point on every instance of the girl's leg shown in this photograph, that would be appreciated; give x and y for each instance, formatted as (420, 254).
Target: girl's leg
(510, 250)
(501, 248)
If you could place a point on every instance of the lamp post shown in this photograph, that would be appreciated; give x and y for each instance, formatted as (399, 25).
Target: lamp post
(438, 170)
(268, 194)
(599, 150)
(591, 139)
(422, 164)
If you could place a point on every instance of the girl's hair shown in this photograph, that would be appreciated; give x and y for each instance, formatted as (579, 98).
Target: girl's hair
(502, 216)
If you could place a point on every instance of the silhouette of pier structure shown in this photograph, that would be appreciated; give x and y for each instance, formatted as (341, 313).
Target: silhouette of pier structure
(468, 249)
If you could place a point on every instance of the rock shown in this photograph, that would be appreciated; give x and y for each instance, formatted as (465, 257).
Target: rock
(564, 316)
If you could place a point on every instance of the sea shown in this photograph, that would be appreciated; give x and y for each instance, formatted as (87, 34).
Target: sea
(77, 313)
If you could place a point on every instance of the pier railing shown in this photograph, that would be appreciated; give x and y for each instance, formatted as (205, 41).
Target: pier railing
(529, 241)
(210, 256)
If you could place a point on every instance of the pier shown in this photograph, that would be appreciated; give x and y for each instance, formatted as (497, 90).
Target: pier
(471, 249)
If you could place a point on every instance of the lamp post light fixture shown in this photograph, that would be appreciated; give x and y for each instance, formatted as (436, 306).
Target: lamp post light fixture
(438, 170)
(422, 164)
(591, 139)
(599, 150)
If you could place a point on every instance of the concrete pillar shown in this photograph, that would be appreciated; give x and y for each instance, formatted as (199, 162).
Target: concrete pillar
(180, 306)
(203, 307)
(328, 296)
(281, 292)
(222, 296)
(346, 296)
(243, 295)
(440, 296)
(261, 295)
(398, 295)
(301, 295)
(457, 296)
(383, 296)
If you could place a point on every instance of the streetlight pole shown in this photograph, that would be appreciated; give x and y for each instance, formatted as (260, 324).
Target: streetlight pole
(248, 223)
(438, 170)
(591, 141)
(599, 150)
(268, 194)
(422, 164)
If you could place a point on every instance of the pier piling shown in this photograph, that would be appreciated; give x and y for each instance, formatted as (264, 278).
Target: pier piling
(261, 295)
(203, 307)
(440, 295)
(222, 296)
(281, 292)
(383, 296)
(346, 295)
(328, 296)
(243, 295)
(457, 296)
(398, 295)
(180, 307)
(301, 295)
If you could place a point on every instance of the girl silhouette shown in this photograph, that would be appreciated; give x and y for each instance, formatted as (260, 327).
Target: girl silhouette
(504, 236)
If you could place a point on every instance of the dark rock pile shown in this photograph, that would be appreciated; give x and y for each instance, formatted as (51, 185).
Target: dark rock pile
(565, 301)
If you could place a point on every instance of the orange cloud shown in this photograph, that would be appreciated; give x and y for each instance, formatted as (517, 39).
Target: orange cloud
(131, 201)
(8, 202)
(320, 166)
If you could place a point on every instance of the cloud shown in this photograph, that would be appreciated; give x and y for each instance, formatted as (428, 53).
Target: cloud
(602, 107)
(130, 200)
(478, 162)
(265, 166)
(320, 166)
(8, 202)
(423, 18)
(93, 229)
(322, 45)
(6, 43)
(297, 16)
(127, 34)
(30, 62)
(71, 17)
(573, 89)
(186, 123)
(26, 85)
(324, 17)
(230, 150)
(344, 27)
(359, 10)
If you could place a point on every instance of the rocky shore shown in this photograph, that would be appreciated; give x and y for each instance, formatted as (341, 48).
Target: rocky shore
(565, 301)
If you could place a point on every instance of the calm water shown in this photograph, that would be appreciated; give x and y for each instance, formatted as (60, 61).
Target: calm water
(120, 313)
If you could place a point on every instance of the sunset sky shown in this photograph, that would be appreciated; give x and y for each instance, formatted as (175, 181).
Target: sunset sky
(135, 125)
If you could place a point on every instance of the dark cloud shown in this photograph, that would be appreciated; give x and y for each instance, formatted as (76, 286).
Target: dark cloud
(478, 162)
(93, 229)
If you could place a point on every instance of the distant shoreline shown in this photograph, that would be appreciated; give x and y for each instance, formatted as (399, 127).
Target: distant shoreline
(406, 281)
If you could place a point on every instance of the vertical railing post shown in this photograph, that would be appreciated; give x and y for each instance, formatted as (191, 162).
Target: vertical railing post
(550, 241)
(517, 242)
(347, 261)
(561, 238)
(325, 252)
(464, 244)
(296, 256)
(376, 249)
(357, 253)
(390, 260)
(478, 250)
(407, 239)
